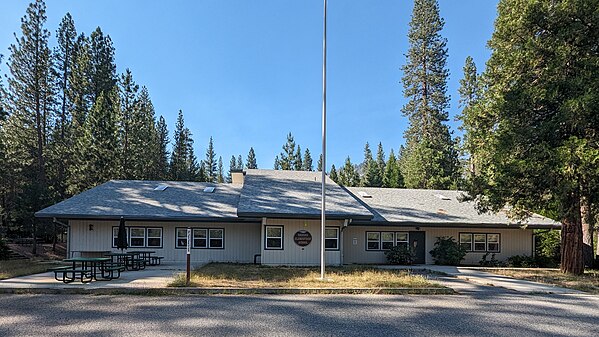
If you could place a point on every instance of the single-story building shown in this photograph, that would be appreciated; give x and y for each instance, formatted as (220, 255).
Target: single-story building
(273, 217)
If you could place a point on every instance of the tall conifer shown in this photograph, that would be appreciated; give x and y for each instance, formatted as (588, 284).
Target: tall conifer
(251, 160)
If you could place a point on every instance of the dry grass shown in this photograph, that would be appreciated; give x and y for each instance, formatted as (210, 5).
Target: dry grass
(14, 268)
(589, 282)
(253, 276)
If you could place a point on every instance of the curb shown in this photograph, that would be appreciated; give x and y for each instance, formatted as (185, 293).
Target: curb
(229, 291)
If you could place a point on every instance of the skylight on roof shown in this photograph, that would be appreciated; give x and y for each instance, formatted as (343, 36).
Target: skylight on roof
(442, 197)
(209, 189)
(160, 187)
(364, 194)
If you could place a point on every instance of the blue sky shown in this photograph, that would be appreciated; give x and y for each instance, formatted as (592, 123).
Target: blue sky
(249, 72)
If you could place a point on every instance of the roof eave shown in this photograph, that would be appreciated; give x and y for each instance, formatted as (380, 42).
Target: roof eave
(455, 225)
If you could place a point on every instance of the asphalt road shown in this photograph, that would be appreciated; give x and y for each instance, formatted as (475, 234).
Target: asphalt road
(488, 314)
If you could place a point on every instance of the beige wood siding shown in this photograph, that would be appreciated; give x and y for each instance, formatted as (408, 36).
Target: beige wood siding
(242, 240)
(294, 255)
(514, 241)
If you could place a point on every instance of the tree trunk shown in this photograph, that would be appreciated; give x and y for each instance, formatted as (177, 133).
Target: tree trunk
(34, 250)
(54, 237)
(587, 232)
(571, 243)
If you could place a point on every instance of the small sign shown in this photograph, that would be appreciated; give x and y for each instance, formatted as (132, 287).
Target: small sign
(188, 241)
(302, 238)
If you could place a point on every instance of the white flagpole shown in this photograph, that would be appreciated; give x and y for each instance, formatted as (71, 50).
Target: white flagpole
(324, 142)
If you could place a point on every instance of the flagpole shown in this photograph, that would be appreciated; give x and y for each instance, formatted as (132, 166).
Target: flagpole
(324, 143)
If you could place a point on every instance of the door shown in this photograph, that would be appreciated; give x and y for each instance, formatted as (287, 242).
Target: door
(417, 242)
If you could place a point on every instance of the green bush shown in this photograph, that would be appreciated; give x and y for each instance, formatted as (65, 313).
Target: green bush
(448, 251)
(547, 247)
(401, 255)
(4, 251)
(523, 261)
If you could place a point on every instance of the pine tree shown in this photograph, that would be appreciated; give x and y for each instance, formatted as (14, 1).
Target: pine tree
(61, 148)
(143, 140)
(31, 103)
(380, 157)
(277, 165)
(210, 162)
(128, 97)
(103, 69)
(251, 160)
(307, 161)
(220, 175)
(180, 152)
(239, 162)
(392, 177)
(319, 164)
(287, 157)
(348, 176)
(470, 92)
(333, 174)
(193, 167)
(232, 167)
(430, 159)
(162, 154)
(373, 176)
(101, 140)
(298, 164)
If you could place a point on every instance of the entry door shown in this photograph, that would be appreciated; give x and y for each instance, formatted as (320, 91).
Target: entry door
(417, 242)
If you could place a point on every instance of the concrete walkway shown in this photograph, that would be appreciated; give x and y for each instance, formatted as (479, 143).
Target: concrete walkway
(486, 279)
(151, 277)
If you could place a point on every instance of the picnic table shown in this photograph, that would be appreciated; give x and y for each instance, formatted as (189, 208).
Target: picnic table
(87, 269)
(147, 257)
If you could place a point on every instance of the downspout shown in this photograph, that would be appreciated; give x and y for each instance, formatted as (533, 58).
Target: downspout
(346, 222)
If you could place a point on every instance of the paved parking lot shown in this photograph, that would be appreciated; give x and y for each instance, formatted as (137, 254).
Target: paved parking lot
(497, 313)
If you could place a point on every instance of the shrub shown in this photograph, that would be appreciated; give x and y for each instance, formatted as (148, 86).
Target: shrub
(4, 251)
(547, 247)
(401, 255)
(485, 262)
(522, 261)
(448, 251)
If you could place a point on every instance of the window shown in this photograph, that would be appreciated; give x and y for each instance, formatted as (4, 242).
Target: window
(402, 239)
(274, 237)
(466, 241)
(480, 242)
(493, 243)
(154, 237)
(387, 240)
(200, 238)
(216, 238)
(181, 237)
(331, 238)
(373, 240)
(137, 237)
(140, 237)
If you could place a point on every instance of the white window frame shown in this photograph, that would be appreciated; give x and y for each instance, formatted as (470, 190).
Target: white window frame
(177, 237)
(221, 239)
(115, 235)
(336, 238)
(498, 243)
(148, 237)
(266, 237)
(383, 241)
(471, 243)
(131, 237)
(398, 242)
(474, 242)
(193, 237)
(378, 241)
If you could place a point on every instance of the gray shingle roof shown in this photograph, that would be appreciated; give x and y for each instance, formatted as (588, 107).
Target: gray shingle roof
(135, 199)
(296, 194)
(428, 207)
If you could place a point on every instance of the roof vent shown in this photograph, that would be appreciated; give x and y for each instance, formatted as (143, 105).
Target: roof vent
(364, 194)
(442, 197)
(209, 189)
(160, 187)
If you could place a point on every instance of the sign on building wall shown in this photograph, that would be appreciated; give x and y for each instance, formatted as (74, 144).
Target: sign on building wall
(302, 238)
